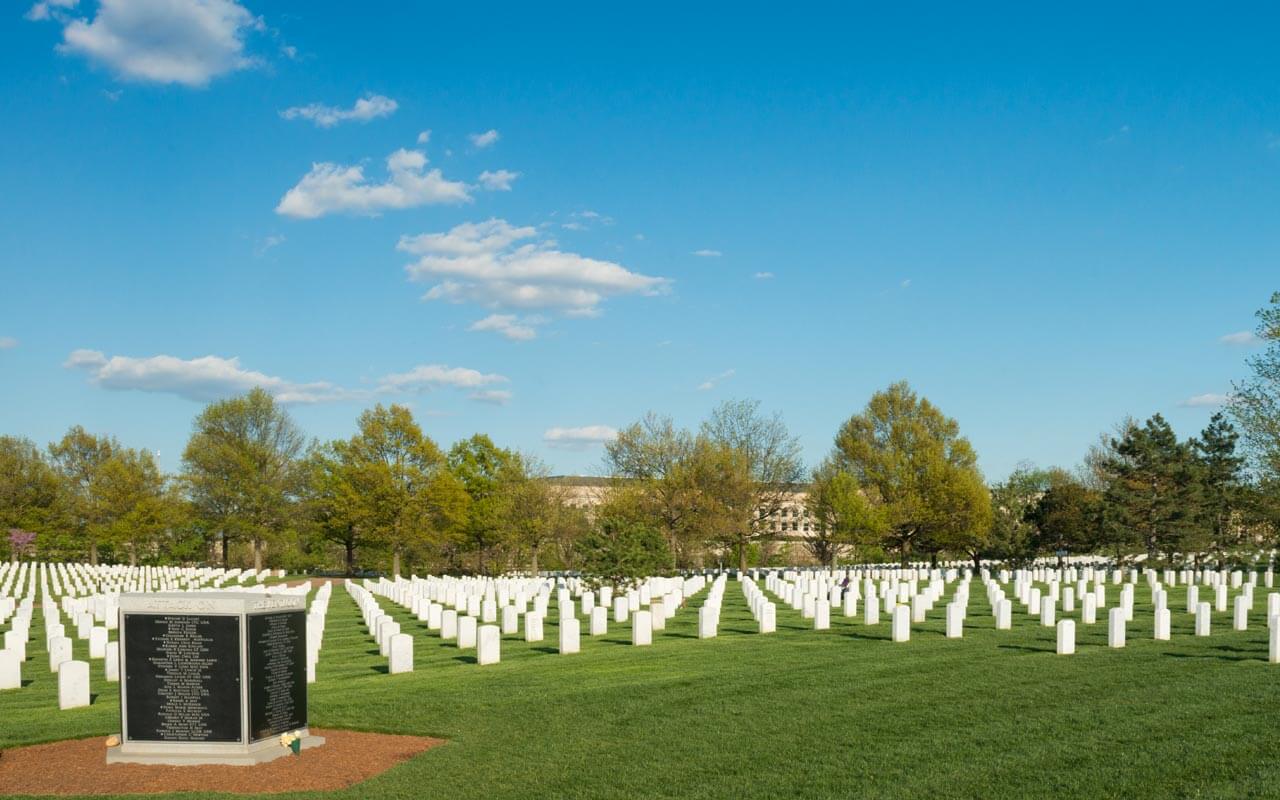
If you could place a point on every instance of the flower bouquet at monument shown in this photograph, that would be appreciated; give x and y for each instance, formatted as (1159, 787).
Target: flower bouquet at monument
(292, 740)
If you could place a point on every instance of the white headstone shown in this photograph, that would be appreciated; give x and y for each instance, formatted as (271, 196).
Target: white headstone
(1163, 624)
(400, 650)
(570, 635)
(871, 610)
(73, 684)
(466, 632)
(708, 616)
(1203, 619)
(642, 627)
(1066, 637)
(1115, 627)
(10, 670)
(822, 616)
(1241, 617)
(98, 642)
(533, 627)
(489, 645)
(955, 621)
(768, 618)
(599, 621)
(901, 623)
(59, 651)
(111, 662)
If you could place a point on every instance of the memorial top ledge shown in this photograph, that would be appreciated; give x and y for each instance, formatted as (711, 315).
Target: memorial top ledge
(209, 602)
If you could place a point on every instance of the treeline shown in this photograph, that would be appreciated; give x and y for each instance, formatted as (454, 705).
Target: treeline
(899, 483)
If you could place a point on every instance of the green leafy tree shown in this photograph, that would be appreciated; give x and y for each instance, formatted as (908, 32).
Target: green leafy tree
(483, 469)
(759, 468)
(843, 517)
(1222, 483)
(649, 461)
(1153, 490)
(31, 494)
(913, 463)
(1013, 534)
(79, 457)
(622, 551)
(391, 465)
(134, 507)
(1255, 402)
(241, 469)
(1066, 517)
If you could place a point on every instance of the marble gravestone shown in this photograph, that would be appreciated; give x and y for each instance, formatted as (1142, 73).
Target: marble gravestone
(211, 677)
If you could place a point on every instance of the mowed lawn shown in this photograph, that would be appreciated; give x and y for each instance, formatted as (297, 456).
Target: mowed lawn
(799, 713)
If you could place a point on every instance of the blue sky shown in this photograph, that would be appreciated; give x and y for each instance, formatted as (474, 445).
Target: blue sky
(1045, 223)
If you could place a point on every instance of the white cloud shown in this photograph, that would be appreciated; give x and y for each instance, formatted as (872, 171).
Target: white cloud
(763, 276)
(499, 180)
(200, 379)
(485, 263)
(187, 42)
(274, 240)
(579, 438)
(434, 376)
(707, 253)
(331, 188)
(1209, 400)
(8, 342)
(509, 325)
(369, 107)
(497, 397)
(1246, 338)
(712, 382)
(483, 140)
(424, 137)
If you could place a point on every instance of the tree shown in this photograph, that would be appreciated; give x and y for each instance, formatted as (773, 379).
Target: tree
(1255, 402)
(912, 462)
(391, 465)
(1065, 517)
(31, 496)
(843, 517)
(622, 551)
(483, 468)
(649, 461)
(332, 500)
(79, 458)
(132, 505)
(770, 457)
(1221, 472)
(1013, 533)
(1152, 495)
(241, 469)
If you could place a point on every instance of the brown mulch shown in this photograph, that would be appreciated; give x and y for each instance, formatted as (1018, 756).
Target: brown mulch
(78, 767)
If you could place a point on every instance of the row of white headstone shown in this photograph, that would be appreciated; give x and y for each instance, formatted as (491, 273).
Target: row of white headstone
(466, 610)
(22, 579)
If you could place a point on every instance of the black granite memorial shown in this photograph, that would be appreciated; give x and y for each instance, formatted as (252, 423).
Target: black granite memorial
(211, 677)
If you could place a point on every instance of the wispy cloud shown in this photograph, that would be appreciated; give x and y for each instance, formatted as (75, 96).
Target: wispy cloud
(8, 342)
(1209, 400)
(509, 325)
(209, 378)
(579, 438)
(707, 253)
(482, 140)
(497, 397)
(498, 180)
(274, 240)
(712, 382)
(497, 265)
(369, 107)
(1241, 338)
(763, 276)
(424, 137)
(333, 188)
(187, 42)
(434, 376)
(201, 379)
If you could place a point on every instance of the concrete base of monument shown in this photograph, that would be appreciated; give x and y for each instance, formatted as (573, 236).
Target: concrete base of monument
(195, 755)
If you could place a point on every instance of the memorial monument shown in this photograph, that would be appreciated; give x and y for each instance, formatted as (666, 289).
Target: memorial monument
(211, 677)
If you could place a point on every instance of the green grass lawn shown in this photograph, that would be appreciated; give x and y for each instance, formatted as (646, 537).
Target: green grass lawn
(799, 713)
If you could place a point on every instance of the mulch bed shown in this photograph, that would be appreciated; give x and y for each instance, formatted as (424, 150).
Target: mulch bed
(78, 767)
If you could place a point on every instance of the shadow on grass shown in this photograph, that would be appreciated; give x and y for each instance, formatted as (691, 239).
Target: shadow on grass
(1024, 648)
(381, 668)
(552, 650)
(93, 698)
(1219, 658)
(466, 659)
